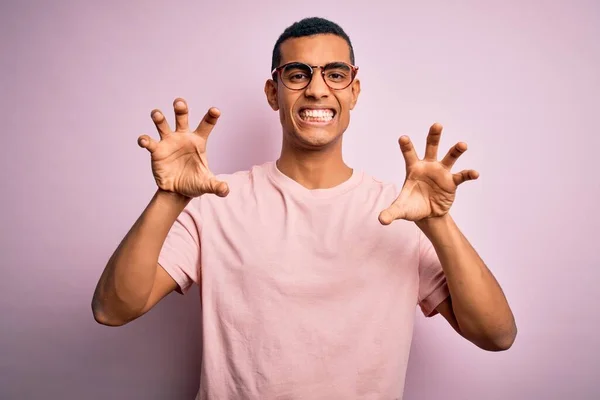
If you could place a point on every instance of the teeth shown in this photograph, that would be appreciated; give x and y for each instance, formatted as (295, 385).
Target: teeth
(321, 115)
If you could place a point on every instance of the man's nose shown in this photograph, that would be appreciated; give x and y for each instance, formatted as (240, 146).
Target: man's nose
(317, 87)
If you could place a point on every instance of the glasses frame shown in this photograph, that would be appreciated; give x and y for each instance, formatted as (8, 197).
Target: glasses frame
(312, 68)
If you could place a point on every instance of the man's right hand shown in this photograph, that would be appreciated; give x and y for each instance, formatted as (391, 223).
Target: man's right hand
(179, 161)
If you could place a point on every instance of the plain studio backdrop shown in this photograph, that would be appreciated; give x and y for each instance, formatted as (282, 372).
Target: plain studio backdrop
(517, 80)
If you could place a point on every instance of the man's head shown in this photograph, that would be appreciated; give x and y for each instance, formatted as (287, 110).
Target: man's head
(314, 103)
(309, 27)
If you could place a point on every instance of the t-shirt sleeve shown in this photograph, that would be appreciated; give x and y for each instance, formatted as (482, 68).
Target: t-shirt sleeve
(433, 288)
(180, 254)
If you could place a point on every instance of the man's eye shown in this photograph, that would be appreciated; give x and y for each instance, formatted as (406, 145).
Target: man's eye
(298, 76)
(337, 76)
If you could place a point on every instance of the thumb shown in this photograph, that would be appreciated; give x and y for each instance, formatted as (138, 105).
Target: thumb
(391, 214)
(215, 186)
(148, 143)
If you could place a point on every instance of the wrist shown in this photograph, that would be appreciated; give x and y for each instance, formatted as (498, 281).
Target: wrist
(430, 226)
(172, 199)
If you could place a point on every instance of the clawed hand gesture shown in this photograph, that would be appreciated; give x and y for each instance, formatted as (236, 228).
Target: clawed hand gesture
(179, 161)
(430, 187)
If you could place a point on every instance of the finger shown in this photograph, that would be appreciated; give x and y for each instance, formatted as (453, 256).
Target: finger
(148, 143)
(453, 154)
(161, 123)
(433, 141)
(391, 214)
(181, 115)
(217, 187)
(408, 150)
(463, 176)
(208, 122)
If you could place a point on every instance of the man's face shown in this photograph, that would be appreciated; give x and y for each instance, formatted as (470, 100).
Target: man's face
(301, 111)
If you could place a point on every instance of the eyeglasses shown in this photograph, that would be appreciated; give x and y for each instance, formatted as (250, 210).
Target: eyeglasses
(296, 75)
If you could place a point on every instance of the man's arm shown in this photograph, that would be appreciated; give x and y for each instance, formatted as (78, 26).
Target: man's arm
(477, 307)
(133, 281)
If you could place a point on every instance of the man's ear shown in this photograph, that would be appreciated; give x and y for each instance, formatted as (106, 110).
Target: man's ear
(355, 93)
(271, 93)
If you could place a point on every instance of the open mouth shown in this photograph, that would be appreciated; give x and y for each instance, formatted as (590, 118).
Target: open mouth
(317, 115)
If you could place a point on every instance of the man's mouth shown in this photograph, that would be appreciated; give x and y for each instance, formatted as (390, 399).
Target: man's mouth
(317, 115)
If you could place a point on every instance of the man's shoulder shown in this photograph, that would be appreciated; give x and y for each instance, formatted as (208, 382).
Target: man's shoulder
(245, 175)
(242, 183)
(263, 176)
(378, 186)
(376, 182)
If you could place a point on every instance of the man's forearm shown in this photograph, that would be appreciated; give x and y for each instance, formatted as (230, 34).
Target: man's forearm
(478, 302)
(128, 278)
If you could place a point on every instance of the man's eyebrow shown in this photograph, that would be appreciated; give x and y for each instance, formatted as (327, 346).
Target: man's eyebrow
(337, 64)
(296, 63)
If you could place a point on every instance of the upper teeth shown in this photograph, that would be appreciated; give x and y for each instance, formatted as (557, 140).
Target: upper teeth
(317, 113)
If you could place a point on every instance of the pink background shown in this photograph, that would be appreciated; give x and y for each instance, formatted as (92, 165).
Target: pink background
(518, 81)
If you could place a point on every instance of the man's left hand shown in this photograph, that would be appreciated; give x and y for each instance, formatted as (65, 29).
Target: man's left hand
(430, 186)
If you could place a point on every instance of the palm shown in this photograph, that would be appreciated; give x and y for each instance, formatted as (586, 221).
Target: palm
(179, 162)
(430, 186)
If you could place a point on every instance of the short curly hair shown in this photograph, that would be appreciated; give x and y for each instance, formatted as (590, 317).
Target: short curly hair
(308, 27)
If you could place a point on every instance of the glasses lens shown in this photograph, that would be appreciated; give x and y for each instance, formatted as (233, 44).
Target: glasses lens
(296, 75)
(338, 75)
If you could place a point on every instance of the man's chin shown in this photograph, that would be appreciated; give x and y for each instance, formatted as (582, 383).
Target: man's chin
(314, 135)
(315, 138)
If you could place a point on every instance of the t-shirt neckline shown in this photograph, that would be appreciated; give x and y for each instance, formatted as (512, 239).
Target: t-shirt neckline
(284, 181)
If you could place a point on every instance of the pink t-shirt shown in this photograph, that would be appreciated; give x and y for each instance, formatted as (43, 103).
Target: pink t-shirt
(305, 295)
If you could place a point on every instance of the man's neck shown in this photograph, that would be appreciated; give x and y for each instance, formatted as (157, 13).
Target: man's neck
(315, 170)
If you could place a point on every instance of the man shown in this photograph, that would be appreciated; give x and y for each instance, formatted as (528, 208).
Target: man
(309, 271)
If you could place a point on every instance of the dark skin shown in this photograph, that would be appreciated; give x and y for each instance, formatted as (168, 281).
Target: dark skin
(133, 282)
(476, 308)
(312, 155)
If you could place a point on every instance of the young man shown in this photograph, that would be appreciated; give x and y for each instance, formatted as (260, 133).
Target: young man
(309, 271)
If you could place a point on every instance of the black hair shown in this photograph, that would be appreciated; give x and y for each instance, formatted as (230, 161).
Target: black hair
(308, 27)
